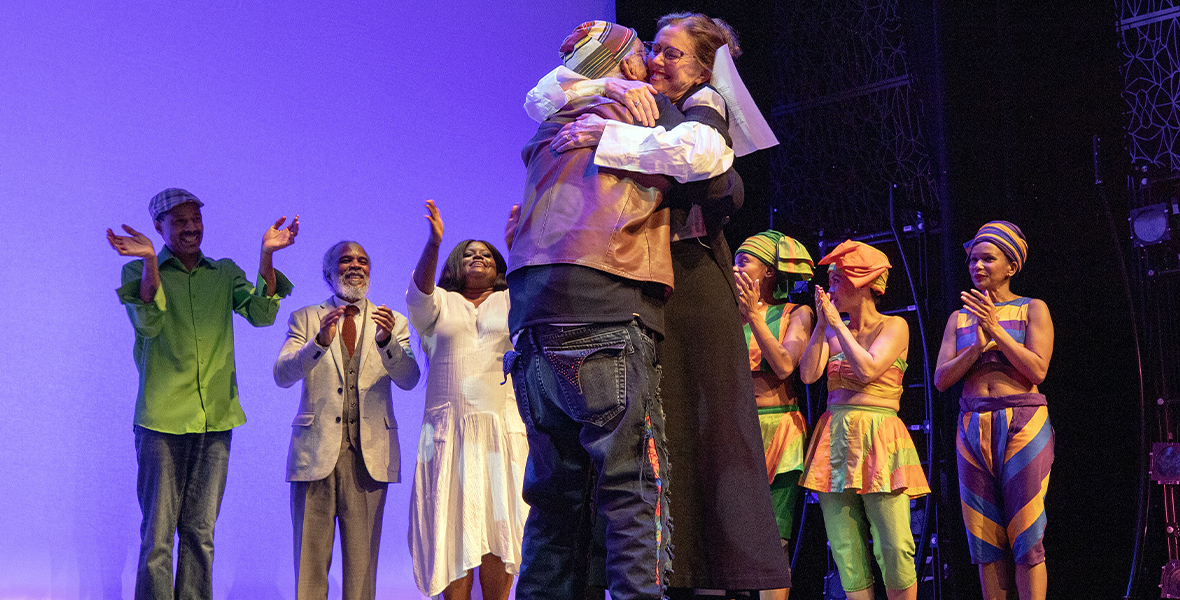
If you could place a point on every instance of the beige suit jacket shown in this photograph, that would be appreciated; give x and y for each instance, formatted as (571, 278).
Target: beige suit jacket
(317, 430)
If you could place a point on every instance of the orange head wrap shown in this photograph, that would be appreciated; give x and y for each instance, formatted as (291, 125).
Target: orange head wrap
(861, 263)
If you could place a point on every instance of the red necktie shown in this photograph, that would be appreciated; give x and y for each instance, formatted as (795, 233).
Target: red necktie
(348, 333)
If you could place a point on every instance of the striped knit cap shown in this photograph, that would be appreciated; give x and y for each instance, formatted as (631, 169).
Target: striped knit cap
(596, 48)
(861, 263)
(1007, 237)
(781, 253)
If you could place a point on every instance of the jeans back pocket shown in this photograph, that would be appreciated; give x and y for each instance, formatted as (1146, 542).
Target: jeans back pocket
(591, 378)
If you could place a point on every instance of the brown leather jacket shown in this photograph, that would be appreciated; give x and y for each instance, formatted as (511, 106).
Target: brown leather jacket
(576, 213)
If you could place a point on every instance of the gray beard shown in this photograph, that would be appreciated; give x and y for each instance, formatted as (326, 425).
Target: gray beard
(352, 293)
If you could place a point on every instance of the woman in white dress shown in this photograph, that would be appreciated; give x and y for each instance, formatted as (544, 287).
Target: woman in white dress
(467, 509)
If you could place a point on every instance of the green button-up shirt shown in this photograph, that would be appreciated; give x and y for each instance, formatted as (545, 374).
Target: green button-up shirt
(184, 341)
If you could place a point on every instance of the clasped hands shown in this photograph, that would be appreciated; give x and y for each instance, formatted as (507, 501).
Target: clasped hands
(830, 317)
(382, 315)
(981, 305)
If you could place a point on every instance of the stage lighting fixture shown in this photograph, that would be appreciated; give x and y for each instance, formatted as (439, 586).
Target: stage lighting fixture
(1170, 580)
(1149, 225)
(1165, 463)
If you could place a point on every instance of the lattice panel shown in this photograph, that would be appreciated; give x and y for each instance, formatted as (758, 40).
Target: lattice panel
(848, 118)
(1151, 72)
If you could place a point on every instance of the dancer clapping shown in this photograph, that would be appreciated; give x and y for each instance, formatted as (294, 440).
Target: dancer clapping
(999, 345)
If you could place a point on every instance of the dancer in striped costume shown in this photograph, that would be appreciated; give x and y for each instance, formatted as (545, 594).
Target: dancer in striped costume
(999, 346)
(861, 459)
(766, 265)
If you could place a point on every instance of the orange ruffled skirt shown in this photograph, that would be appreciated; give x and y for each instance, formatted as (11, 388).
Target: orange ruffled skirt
(865, 448)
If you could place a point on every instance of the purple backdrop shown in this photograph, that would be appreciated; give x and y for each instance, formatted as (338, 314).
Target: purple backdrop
(348, 114)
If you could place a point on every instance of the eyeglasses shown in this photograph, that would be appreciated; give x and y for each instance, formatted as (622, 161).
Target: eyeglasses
(670, 54)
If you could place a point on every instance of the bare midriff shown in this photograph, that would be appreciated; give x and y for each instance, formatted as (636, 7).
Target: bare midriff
(769, 390)
(992, 380)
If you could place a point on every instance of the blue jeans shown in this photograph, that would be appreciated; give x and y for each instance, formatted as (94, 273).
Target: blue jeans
(180, 484)
(589, 398)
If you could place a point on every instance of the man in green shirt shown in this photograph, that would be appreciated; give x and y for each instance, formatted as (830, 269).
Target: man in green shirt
(180, 303)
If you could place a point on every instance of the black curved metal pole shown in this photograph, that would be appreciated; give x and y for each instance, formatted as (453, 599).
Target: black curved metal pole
(924, 541)
(1144, 506)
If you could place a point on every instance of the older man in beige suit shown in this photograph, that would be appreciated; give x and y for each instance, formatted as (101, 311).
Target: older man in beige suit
(344, 448)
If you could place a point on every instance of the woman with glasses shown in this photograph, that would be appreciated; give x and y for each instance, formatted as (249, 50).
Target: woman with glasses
(680, 66)
(725, 531)
(999, 346)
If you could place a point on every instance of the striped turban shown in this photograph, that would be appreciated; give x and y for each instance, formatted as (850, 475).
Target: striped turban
(861, 263)
(789, 259)
(596, 48)
(1005, 236)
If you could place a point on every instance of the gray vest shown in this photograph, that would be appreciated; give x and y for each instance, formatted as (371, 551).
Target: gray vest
(352, 410)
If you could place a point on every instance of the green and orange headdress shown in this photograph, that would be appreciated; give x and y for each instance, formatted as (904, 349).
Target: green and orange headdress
(789, 259)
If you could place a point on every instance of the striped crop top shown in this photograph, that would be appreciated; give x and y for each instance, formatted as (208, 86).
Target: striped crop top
(1013, 317)
(888, 385)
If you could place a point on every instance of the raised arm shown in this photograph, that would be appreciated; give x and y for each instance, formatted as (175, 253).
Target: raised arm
(511, 225)
(782, 357)
(662, 142)
(870, 363)
(1031, 359)
(815, 355)
(554, 90)
(951, 367)
(138, 245)
(562, 85)
(692, 150)
(275, 238)
(798, 333)
(428, 262)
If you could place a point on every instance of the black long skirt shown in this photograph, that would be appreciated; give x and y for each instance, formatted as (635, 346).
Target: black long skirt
(724, 532)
